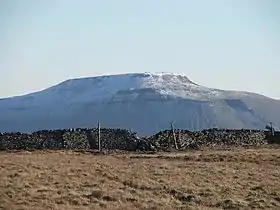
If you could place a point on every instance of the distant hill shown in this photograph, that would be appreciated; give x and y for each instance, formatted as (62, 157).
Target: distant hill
(143, 102)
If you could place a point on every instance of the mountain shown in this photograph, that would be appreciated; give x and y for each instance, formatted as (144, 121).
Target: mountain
(142, 102)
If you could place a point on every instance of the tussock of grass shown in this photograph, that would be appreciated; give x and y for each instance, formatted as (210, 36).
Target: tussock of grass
(209, 179)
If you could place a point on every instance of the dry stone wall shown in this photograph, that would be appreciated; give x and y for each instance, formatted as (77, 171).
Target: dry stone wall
(111, 139)
(207, 138)
(275, 139)
(120, 139)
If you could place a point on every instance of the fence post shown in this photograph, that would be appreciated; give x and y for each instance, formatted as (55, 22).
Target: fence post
(174, 137)
(99, 134)
(272, 129)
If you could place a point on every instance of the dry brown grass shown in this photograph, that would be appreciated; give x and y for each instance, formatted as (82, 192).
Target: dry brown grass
(212, 179)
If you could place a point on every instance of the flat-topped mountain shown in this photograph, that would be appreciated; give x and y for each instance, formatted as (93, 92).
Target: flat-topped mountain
(143, 102)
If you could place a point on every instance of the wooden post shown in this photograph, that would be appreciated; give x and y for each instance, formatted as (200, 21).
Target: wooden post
(272, 130)
(174, 137)
(179, 137)
(99, 143)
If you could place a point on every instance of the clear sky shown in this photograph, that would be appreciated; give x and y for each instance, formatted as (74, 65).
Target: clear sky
(226, 44)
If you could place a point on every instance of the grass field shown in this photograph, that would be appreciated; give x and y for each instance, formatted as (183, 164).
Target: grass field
(209, 179)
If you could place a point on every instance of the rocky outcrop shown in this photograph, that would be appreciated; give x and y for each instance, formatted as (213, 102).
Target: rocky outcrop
(120, 139)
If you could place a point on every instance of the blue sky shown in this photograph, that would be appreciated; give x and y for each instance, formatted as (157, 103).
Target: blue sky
(233, 44)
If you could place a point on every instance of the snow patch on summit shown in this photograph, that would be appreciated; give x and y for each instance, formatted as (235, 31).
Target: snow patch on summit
(180, 86)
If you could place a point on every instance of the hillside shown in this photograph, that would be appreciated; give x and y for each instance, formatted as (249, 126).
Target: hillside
(145, 103)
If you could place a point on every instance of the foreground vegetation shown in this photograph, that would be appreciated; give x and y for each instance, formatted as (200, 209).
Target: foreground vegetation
(209, 179)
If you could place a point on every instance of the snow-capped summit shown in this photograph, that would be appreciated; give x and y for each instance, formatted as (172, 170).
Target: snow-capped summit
(143, 102)
(103, 88)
